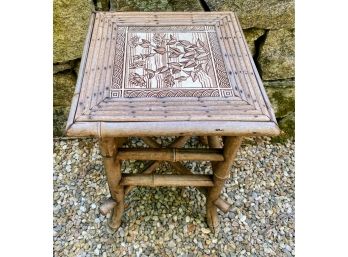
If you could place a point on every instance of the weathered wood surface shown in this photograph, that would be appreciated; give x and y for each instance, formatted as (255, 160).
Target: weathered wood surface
(214, 142)
(127, 129)
(108, 148)
(152, 165)
(149, 169)
(96, 111)
(203, 140)
(110, 203)
(150, 142)
(167, 180)
(167, 154)
(76, 96)
(221, 173)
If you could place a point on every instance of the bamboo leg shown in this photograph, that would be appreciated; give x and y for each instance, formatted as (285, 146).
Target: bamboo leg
(221, 173)
(108, 147)
(214, 142)
(179, 142)
(151, 142)
(121, 141)
(203, 140)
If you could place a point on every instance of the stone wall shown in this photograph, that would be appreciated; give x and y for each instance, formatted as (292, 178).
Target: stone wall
(268, 26)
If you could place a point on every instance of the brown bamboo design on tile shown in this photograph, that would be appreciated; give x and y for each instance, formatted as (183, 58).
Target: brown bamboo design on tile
(192, 55)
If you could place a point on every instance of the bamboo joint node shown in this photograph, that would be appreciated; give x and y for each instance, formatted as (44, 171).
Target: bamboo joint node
(107, 156)
(222, 178)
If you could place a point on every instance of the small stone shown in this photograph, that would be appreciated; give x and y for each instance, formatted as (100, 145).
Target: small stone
(200, 245)
(121, 232)
(288, 254)
(187, 219)
(242, 217)
(226, 229)
(171, 244)
(231, 215)
(205, 230)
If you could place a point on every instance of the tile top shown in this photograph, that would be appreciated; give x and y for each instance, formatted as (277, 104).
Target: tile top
(169, 61)
(160, 67)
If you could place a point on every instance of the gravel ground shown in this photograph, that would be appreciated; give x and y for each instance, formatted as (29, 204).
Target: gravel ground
(171, 221)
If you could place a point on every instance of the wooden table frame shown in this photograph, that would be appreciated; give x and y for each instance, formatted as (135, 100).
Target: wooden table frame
(221, 155)
(112, 101)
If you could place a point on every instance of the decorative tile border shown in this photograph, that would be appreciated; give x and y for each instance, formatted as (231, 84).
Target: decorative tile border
(131, 72)
(119, 58)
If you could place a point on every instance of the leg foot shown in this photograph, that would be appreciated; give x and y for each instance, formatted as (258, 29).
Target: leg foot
(115, 220)
(213, 218)
(220, 173)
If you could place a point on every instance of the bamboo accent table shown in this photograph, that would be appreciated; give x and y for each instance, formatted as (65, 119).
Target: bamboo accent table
(168, 74)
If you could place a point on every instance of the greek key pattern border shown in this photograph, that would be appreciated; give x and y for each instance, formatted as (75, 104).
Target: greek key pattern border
(117, 76)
